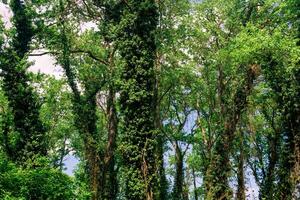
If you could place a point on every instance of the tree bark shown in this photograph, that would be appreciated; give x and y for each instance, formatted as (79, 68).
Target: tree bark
(136, 42)
(241, 174)
(219, 169)
(179, 174)
(195, 184)
(109, 174)
(268, 185)
(162, 189)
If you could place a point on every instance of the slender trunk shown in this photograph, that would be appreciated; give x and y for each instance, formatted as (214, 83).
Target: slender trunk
(87, 119)
(195, 184)
(163, 183)
(267, 188)
(290, 162)
(109, 174)
(186, 188)
(62, 155)
(179, 176)
(162, 190)
(185, 193)
(241, 174)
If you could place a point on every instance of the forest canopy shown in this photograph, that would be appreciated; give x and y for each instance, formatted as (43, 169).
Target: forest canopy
(150, 99)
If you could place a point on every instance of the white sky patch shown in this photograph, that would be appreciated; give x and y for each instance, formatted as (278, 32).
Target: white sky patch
(45, 64)
(71, 162)
(252, 188)
(88, 26)
(5, 14)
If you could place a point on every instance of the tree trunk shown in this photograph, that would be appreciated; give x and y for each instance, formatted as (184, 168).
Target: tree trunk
(219, 169)
(241, 174)
(86, 124)
(290, 112)
(93, 169)
(195, 184)
(162, 190)
(178, 179)
(267, 188)
(137, 47)
(109, 174)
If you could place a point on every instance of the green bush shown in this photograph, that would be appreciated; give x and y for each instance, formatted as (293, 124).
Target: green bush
(42, 183)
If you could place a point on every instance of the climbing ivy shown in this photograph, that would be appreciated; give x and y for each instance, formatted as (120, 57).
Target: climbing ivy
(136, 43)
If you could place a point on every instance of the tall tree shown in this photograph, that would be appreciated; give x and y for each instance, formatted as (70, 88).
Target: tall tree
(136, 43)
(288, 89)
(23, 101)
(84, 68)
(100, 162)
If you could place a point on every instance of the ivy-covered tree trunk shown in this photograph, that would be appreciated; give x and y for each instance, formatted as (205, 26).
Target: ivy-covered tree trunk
(84, 106)
(23, 101)
(93, 154)
(289, 161)
(137, 47)
(219, 170)
(289, 154)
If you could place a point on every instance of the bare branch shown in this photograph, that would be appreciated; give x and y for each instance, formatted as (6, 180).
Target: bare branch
(42, 53)
(89, 53)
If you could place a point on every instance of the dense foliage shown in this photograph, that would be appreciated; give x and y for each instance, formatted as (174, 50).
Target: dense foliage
(154, 100)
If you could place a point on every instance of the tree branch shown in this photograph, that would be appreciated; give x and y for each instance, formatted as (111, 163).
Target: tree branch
(89, 53)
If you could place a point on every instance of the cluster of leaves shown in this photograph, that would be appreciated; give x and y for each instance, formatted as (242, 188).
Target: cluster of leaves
(43, 182)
